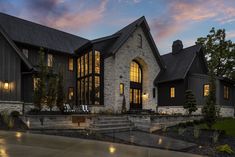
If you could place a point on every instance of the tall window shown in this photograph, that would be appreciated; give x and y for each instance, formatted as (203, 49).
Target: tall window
(50, 60)
(226, 92)
(70, 64)
(70, 93)
(139, 41)
(172, 92)
(135, 72)
(206, 89)
(89, 78)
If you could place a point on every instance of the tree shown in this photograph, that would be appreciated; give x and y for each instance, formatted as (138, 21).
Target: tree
(60, 92)
(209, 109)
(40, 86)
(52, 92)
(219, 53)
(190, 102)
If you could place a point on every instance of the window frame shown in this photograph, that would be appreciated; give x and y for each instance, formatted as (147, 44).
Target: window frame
(204, 95)
(172, 89)
(69, 59)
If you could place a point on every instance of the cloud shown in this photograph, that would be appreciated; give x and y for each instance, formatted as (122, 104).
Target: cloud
(180, 14)
(230, 34)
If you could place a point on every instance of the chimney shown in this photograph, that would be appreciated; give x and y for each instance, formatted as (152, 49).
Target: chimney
(177, 46)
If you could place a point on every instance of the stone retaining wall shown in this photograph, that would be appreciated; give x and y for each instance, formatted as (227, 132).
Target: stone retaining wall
(11, 106)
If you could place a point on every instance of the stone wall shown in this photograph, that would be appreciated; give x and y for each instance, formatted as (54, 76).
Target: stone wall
(117, 68)
(225, 111)
(11, 106)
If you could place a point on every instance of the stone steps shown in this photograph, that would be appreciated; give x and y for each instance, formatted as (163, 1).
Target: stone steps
(110, 124)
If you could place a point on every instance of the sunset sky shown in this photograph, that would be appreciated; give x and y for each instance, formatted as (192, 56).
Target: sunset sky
(168, 19)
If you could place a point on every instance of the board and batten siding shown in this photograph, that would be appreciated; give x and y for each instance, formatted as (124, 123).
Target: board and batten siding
(10, 71)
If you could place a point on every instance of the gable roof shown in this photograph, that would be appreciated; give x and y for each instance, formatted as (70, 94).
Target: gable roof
(120, 37)
(17, 50)
(27, 32)
(178, 64)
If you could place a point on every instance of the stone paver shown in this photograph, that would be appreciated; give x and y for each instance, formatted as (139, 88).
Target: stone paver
(15, 144)
(151, 140)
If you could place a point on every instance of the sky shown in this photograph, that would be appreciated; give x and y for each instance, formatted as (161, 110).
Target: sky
(169, 20)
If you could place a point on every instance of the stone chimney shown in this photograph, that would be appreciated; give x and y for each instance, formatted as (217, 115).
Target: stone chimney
(177, 46)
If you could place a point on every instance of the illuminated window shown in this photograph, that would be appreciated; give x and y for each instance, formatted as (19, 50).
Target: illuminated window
(206, 90)
(121, 88)
(172, 92)
(89, 78)
(139, 40)
(70, 64)
(70, 93)
(49, 60)
(226, 92)
(35, 83)
(26, 52)
(97, 62)
(6, 85)
(135, 72)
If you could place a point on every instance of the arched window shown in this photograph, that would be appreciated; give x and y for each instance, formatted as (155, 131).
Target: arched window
(139, 41)
(135, 72)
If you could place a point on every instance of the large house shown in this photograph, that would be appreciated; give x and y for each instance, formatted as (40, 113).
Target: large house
(100, 72)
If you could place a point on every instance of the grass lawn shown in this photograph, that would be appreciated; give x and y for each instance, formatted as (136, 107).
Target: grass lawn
(226, 124)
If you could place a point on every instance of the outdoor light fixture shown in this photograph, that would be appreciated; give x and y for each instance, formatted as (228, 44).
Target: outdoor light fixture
(6, 85)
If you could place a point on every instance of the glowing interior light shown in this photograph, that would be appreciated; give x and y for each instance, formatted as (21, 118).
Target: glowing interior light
(6, 85)
(160, 141)
(112, 150)
(18, 134)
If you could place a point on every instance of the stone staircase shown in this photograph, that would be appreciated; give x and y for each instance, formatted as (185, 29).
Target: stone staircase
(104, 124)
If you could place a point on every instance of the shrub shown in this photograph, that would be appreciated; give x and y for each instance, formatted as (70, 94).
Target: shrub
(190, 102)
(225, 149)
(215, 137)
(7, 119)
(15, 114)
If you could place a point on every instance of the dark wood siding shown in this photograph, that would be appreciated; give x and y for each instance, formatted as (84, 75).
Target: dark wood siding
(10, 70)
(197, 66)
(164, 93)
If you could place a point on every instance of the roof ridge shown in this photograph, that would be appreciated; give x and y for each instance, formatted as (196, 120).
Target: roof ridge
(41, 25)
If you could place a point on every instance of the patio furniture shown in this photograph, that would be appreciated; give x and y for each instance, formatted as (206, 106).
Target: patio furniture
(85, 109)
(68, 109)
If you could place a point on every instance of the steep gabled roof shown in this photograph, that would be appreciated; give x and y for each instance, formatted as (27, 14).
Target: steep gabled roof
(23, 58)
(178, 65)
(27, 32)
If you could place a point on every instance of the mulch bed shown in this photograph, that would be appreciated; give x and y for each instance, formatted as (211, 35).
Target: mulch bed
(205, 144)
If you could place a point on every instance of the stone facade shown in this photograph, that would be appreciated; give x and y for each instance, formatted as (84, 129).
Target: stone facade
(225, 111)
(11, 106)
(117, 68)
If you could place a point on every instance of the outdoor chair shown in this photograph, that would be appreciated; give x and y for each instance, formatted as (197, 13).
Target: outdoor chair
(68, 109)
(85, 109)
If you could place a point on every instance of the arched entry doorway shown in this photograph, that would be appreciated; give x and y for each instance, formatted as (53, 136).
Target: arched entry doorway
(135, 86)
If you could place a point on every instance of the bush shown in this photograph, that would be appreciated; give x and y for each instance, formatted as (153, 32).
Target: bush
(225, 149)
(215, 137)
(181, 131)
(190, 102)
(7, 119)
(34, 111)
(196, 132)
(15, 114)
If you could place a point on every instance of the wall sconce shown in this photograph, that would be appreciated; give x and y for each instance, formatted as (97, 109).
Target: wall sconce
(6, 85)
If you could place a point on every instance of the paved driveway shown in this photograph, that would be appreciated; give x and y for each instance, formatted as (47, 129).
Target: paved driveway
(15, 144)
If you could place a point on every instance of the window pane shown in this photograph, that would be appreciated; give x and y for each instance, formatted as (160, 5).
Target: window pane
(172, 92)
(86, 64)
(82, 66)
(82, 92)
(97, 90)
(121, 87)
(97, 62)
(131, 96)
(206, 89)
(90, 62)
(49, 60)
(79, 67)
(135, 72)
(71, 64)
(226, 92)
(79, 93)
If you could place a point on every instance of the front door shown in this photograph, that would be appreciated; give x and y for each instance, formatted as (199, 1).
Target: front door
(135, 86)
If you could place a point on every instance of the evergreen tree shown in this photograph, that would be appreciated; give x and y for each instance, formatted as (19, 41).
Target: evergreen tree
(40, 86)
(60, 92)
(190, 102)
(209, 109)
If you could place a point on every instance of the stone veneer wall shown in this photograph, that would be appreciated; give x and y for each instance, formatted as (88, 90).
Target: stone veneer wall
(11, 106)
(225, 111)
(117, 68)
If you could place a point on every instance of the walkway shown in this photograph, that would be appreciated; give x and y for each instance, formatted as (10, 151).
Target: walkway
(151, 140)
(15, 144)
